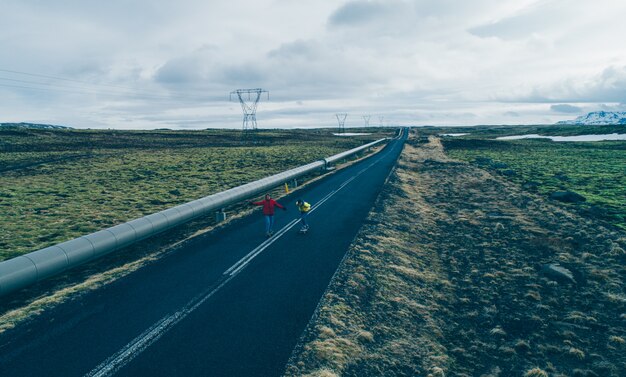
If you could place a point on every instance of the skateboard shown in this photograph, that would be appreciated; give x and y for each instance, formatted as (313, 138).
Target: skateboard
(303, 230)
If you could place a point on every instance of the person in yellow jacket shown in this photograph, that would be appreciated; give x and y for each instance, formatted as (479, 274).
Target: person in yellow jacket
(304, 209)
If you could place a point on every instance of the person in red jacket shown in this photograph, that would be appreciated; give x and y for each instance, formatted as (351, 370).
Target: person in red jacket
(268, 212)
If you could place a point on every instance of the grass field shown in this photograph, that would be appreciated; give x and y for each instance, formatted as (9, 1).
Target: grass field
(595, 170)
(447, 277)
(57, 185)
(490, 132)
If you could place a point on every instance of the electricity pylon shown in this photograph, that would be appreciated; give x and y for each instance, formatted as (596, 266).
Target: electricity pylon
(341, 119)
(249, 99)
(381, 119)
(366, 120)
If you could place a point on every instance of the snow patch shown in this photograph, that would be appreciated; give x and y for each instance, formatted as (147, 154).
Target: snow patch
(599, 118)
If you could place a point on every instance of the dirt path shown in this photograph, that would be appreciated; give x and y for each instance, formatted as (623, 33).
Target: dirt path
(448, 278)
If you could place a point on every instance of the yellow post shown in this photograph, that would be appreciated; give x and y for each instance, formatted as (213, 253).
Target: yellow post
(286, 188)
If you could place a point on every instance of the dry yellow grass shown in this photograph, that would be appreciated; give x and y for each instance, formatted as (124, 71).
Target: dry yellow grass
(536, 372)
(446, 277)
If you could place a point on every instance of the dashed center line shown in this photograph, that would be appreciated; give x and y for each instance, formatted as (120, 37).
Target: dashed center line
(125, 355)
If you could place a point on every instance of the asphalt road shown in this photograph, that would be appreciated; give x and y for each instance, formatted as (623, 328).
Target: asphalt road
(230, 303)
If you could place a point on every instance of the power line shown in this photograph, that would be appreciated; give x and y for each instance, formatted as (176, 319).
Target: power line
(42, 83)
(80, 90)
(104, 93)
(61, 78)
(87, 90)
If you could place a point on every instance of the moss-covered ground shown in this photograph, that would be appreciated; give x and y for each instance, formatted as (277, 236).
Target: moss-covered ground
(596, 170)
(449, 277)
(57, 185)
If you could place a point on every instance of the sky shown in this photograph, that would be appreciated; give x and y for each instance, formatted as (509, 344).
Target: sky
(171, 64)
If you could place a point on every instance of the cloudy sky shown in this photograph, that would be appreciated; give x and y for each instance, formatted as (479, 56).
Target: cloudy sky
(171, 64)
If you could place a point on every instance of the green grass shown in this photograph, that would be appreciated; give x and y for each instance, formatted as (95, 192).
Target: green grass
(445, 279)
(547, 130)
(57, 185)
(595, 170)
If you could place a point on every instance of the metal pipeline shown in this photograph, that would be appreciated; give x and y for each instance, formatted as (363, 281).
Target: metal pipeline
(19, 272)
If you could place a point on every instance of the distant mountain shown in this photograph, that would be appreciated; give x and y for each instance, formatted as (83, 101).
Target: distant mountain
(599, 118)
(34, 126)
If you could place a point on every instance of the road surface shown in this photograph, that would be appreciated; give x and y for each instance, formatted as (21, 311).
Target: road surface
(229, 303)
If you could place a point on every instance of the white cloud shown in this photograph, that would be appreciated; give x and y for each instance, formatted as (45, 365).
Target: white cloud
(360, 12)
(608, 85)
(565, 108)
(146, 64)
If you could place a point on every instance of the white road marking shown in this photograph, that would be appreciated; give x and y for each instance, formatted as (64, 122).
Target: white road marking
(151, 335)
(237, 267)
(125, 355)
